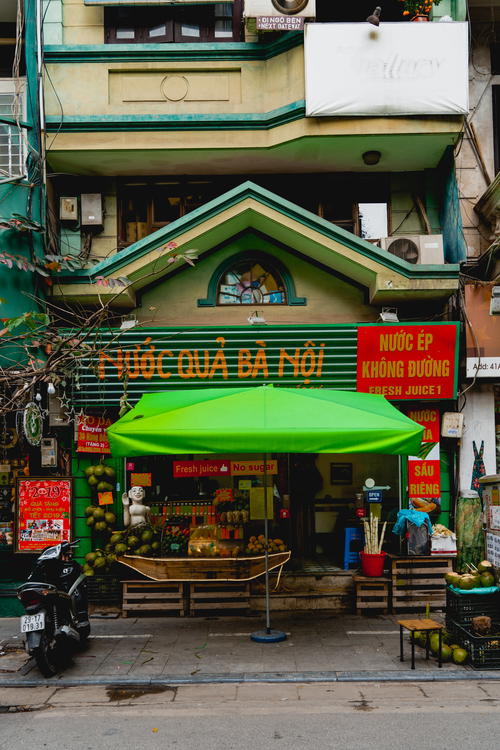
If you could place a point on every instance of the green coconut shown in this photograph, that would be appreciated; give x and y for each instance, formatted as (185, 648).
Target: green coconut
(487, 579)
(485, 567)
(120, 548)
(446, 652)
(459, 655)
(467, 582)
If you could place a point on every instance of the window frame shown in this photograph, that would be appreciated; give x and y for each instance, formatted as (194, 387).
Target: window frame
(174, 18)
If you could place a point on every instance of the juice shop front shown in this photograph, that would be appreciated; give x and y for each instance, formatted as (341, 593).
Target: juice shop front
(211, 504)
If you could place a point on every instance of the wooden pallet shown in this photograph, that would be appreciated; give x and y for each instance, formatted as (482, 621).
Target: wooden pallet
(207, 597)
(148, 596)
(372, 593)
(418, 581)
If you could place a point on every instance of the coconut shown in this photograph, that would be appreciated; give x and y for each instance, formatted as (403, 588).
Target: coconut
(467, 582)
(485, 567)
(459, 655)
(487, 579)
(446, 652)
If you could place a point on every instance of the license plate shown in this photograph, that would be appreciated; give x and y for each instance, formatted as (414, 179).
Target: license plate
(32, 622)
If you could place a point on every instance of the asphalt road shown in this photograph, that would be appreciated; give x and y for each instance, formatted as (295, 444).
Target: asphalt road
(414, 716)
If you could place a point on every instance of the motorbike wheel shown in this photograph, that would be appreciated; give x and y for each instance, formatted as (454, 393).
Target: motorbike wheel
(45, 657)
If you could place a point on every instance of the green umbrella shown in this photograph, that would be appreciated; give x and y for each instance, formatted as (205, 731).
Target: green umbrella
(263, 420)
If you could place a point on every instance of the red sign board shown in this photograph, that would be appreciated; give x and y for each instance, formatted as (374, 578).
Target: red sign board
(407, 362)
(424, 479)
(92, 435)
(429, 419)
(43, 514)
(424, 470)
(201, 468)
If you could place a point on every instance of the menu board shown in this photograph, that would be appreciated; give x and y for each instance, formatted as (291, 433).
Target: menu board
(43, 512)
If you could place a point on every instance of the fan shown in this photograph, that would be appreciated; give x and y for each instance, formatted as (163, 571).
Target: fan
(405, 248)
(289, 7)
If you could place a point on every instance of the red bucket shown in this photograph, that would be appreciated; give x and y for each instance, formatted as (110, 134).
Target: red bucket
(372, 565)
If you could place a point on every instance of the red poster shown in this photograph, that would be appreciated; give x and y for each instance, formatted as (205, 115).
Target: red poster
(201, 468)
(144, 479)
(43, 514)
(429, 419)
(424, 479)
(92, 435)
(407, 362)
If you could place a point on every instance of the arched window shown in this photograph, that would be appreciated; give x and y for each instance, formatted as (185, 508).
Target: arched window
(251, 282)
(251, 278)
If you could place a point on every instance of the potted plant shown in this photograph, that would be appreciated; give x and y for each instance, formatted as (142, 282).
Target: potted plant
(418, 9)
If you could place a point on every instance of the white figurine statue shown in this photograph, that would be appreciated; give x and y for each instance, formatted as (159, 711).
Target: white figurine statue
(135, 513)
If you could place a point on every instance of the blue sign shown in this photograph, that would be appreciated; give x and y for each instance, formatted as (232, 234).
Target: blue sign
(373, 496)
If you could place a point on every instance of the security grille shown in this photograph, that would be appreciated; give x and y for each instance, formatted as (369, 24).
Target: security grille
(12, 148)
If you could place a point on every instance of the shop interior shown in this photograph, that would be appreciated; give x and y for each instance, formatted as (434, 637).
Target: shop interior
(312, 499)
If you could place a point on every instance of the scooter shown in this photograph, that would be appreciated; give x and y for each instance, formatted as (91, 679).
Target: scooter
(55, 599)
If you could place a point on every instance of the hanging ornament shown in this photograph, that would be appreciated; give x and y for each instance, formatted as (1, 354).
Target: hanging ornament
(32, 423)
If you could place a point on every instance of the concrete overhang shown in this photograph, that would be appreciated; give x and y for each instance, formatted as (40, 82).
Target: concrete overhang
(387, 278)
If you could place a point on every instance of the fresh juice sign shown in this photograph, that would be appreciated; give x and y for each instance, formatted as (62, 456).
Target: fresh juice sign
(407, 362)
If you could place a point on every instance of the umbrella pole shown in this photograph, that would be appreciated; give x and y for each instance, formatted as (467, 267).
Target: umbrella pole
(266, 534)
(267, 635)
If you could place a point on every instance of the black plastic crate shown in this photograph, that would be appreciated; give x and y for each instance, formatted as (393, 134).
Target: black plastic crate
(462, 608)
(104, 590)
(484, 650)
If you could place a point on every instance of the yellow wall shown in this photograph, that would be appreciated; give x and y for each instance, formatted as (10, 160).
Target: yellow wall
(329, 299)
(82, 24)
(383, 469)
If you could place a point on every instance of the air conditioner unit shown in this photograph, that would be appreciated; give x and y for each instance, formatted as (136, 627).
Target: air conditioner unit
(416, 248)
(297, 8)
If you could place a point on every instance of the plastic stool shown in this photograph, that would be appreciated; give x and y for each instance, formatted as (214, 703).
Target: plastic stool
(352, 534)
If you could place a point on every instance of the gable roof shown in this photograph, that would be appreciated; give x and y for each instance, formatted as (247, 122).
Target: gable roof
(250, 206)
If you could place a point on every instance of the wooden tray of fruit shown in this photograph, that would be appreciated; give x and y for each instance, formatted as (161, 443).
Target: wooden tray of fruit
(204, 568)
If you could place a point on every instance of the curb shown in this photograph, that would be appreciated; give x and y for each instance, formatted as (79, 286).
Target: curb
(256, 677)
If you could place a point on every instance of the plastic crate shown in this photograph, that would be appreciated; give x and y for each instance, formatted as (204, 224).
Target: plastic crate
(484, 650)
(104, 590)
(462, 608)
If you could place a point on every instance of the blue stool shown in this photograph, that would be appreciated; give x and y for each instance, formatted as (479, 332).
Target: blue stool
(351, 557)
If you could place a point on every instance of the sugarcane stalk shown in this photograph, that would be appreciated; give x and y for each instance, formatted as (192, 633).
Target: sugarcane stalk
(382, 538)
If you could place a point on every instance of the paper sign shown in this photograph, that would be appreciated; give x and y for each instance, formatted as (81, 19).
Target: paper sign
(224, 495)
(495, 517)
(245, 484)
(105, 498)
(253, 467)
(43, 514)
(92, 436)
(130, 466)
(141, 480)
(257, 510)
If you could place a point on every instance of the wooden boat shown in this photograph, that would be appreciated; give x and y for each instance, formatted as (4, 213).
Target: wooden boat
(204, 568)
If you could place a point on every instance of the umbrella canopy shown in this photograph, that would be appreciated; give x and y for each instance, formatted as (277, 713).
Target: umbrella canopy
(263, 420)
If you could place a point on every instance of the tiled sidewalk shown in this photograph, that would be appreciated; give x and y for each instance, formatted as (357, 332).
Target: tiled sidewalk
(167, 646)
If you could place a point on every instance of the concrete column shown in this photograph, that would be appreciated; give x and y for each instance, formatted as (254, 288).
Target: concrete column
(479, 424)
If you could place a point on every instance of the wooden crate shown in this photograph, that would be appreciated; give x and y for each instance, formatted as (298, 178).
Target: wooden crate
(418, 581)
(152, 596)
(224, 597)
(372, 593)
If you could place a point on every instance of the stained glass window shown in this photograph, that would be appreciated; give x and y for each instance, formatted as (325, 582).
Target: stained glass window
(251, 282)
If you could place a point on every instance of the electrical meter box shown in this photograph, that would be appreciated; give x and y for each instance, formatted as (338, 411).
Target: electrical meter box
(452, 424)
(91, 210)
(68, 208)
(49, 452)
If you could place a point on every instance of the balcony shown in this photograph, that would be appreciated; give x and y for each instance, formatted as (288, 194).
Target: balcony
(249, 107)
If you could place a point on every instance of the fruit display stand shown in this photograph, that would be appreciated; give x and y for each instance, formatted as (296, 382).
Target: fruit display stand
(193, 584)
(419, 580)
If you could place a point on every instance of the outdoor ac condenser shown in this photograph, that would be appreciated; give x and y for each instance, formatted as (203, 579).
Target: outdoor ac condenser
(297, 8)
(416, 248)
